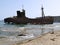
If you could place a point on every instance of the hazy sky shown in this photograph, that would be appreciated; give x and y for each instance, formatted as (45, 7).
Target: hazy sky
(8, 8)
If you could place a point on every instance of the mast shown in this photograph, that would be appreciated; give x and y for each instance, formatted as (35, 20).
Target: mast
(42, 11)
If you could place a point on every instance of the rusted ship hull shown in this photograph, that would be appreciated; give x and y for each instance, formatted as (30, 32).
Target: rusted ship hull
(45, 20)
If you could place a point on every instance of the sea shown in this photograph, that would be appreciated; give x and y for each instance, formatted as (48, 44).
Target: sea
(12, 33)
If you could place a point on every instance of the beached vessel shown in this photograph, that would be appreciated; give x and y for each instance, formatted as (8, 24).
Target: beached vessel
(22, 19)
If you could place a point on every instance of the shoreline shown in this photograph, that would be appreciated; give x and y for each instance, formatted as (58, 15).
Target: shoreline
(45, 39)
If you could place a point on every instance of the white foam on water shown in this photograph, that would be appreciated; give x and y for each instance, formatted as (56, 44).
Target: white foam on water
(9, 34)
(9, 40)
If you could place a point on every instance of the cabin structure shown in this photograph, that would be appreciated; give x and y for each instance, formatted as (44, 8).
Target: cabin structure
(21, 14)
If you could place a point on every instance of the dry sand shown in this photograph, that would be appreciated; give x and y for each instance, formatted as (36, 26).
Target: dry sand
(46, 39)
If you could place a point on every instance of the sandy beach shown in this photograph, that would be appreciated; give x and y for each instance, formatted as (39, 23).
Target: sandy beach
(45, 39)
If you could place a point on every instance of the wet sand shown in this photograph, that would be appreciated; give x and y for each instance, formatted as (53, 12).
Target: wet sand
(45, 39)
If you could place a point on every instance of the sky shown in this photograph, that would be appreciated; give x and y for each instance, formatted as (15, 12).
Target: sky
(8, 8)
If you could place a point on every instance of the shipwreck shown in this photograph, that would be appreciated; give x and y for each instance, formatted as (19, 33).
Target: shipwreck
(22, 19)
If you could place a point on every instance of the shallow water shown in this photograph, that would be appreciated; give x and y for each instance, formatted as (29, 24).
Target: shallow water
(9, 33)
